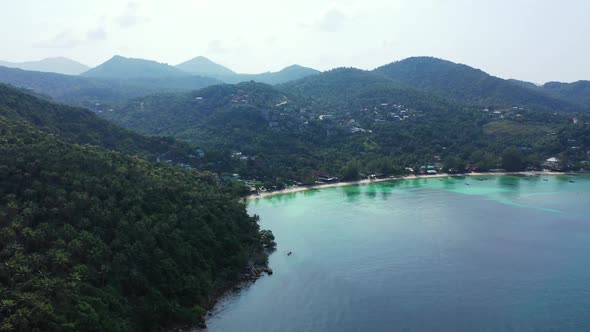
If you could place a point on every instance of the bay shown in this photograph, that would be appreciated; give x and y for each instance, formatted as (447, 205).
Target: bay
(505, 253)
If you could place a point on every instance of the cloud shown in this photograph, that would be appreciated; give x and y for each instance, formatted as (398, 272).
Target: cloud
(68, 39)
(130, 17)
(271, 40)
(97, 34)
(64, 39)
(216, 47)
(332, 21)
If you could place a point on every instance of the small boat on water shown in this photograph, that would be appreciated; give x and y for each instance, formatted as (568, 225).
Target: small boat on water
(572, 181)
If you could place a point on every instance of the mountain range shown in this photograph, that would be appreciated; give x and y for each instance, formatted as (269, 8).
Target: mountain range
(99, 93)
(204, 67)
(320, 119)
(436, 75)
(120, 79)
(469, 85)
(119, 67)
(576, 92)
(290, 73)
(126, 217)
(58, 65)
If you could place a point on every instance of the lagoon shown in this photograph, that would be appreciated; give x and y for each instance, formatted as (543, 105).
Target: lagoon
(506, 253)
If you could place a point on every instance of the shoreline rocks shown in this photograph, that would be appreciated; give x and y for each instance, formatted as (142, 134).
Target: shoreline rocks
(253, 272)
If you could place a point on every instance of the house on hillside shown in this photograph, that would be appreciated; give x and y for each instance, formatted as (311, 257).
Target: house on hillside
(327, 178)
(429, 169)
(228, 177)
(553, 164)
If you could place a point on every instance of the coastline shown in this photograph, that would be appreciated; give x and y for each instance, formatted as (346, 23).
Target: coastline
(297, 189)
(252, 272)
(256, 272)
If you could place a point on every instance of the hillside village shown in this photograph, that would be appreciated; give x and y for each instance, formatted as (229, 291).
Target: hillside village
(286, 116)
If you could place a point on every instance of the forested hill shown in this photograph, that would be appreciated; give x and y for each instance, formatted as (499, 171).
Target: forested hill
(346, 120)
(98, 94)
(120, 80)
(128, 68)
(202, 66)
(205, 67)
(353, 88)
(98, 240)
(470, 86)
(80, 126)
(336, 83)
(576, 92)
(170, 114)
(287, 74)
(58, 65)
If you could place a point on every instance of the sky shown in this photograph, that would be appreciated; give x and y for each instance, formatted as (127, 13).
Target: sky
(533, 40)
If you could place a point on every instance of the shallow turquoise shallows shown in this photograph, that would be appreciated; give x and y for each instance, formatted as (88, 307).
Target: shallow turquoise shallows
(455, 254)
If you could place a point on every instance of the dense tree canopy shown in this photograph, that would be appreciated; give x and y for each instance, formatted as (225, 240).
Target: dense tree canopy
(512, 160)
(473, 86)
(325, 123)
(77, 125)
(100, 240)
(100, 94)
(97, 235)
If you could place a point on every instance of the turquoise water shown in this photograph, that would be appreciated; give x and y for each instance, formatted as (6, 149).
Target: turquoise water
(506, 254)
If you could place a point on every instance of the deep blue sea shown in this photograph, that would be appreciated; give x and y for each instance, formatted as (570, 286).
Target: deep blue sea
(455, 254)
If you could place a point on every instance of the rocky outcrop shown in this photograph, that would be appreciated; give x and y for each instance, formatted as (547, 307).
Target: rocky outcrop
(253, 272)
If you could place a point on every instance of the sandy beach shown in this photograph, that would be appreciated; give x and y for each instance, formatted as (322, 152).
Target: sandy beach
(296, 189)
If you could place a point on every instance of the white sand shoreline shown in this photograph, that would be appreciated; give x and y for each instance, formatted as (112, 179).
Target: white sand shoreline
(296, 189)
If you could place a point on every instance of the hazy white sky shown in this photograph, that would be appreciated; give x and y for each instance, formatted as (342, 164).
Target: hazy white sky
(535, 40)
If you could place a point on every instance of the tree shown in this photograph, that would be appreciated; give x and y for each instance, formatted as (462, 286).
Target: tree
(97, 240)
(512, 159)
(267, 239)
(350, 172)
(455, 165)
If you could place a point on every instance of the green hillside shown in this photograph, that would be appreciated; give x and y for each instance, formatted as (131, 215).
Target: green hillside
(80, 126)
(59, 65)
(126, 68)
(284, 75)
(576, 92)
(469, 86)
(202, 66)
(343, 119)
(98, 94)
(99, 240)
